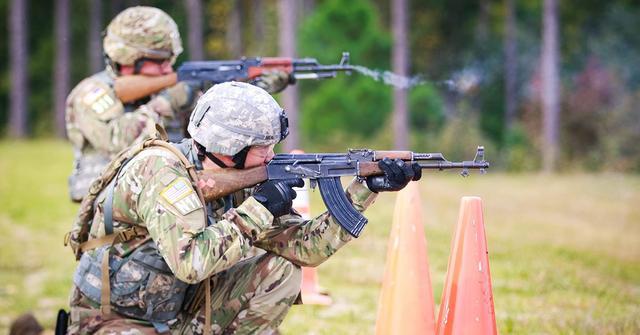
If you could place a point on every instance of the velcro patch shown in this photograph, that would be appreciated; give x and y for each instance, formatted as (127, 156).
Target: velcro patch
(178, 189)
(94, 95)
(180, 194)
(103, 103)
(188, 204)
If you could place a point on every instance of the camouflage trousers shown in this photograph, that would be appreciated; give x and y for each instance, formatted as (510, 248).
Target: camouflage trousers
(251, 297)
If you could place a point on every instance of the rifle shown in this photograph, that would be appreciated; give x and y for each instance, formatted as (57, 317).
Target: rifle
(205, 73)
(246, 69)
(325, 170)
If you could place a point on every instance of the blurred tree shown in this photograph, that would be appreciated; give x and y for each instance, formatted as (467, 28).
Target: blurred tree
(307, 7)
(585, 118)
(353, 105)
(19, 58)
(482, 26)
(426, 106)
(400, 61)
(443, 34)
(234, 30)
(257, 36)
(96, 61)
(216, 40)
(5, 69)
(550, 85)
(259, 25)
(288, 14)
(195, 35)
(510, 64)
(62, 69)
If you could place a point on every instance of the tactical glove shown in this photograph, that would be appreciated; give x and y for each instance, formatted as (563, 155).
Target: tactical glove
(274, 81)
(277, 196)
(397, 174)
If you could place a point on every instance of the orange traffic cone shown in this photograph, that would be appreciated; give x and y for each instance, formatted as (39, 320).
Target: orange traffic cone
(311, 292)
(406, 301)
(467, 299)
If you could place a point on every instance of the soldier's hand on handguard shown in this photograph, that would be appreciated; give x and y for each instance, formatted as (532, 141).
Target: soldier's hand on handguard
(274, 81)
(397, 174)
(277, 196)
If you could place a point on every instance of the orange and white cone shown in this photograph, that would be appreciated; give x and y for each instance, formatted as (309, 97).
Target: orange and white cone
(467, 299)
(406, 301)
(312, 294)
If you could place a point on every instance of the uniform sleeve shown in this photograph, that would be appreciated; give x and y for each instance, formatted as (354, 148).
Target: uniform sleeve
(96, 115)
(311, 242)
(116, 130)
(175, 218)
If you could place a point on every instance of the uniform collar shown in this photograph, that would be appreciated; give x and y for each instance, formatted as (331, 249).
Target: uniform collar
(187, 148)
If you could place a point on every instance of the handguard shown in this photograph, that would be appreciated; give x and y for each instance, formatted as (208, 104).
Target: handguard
(340, 207)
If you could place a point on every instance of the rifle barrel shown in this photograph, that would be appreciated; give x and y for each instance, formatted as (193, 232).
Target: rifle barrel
(322, 68)
(454, 165)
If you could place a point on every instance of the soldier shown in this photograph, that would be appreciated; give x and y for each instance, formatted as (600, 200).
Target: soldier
(139, 40)
(177, 265)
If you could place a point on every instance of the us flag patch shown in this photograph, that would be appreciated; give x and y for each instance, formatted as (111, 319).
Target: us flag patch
(180, 194)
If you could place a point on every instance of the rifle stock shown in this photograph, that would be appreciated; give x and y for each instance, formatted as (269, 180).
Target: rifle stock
(217, 184)
(131, 88)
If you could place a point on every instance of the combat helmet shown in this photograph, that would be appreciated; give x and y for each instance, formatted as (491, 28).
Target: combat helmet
(142, 32)
(233, 116)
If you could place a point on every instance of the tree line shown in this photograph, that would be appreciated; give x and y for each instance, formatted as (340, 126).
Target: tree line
(543, 84)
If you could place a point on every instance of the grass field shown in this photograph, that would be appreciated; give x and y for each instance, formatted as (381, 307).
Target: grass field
(564, 249)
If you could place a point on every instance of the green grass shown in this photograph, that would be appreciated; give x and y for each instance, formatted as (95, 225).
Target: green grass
(564, 249)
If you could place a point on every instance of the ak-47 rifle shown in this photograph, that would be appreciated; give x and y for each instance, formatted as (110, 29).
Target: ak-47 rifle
(207, 73)
(247, 69)
(325, 170)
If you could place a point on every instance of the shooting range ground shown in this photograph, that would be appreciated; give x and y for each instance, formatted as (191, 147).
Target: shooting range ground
(564, 249)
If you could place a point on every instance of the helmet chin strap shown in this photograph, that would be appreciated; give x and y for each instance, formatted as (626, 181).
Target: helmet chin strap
(137, 65)
(239, 158)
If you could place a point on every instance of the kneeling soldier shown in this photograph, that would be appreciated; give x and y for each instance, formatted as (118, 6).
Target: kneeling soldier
(155, 258)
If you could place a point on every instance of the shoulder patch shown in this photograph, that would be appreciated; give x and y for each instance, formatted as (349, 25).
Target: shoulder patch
(102, 103)
(178, 189)
(93, 95)
(188, 204)
(181, 195)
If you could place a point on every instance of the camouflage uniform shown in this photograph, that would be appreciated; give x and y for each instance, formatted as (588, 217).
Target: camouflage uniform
(98, 124)
(204, 242)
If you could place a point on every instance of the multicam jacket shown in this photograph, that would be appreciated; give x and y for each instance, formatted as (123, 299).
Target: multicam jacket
(99, 125)
(154, 191)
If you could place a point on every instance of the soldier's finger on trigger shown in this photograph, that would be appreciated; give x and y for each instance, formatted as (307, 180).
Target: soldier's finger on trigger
(297, 182)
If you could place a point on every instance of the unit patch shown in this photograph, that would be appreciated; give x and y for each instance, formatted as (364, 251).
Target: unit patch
(93, 95)
(180, 194)
(99, 100)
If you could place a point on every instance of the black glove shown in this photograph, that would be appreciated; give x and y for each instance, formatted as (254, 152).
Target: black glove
(397, 174)
(277, 196)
